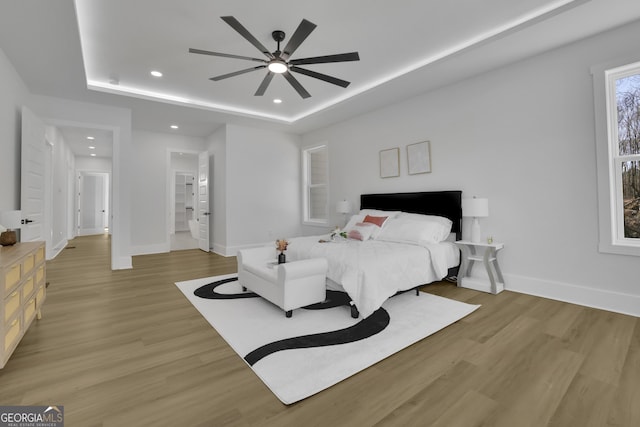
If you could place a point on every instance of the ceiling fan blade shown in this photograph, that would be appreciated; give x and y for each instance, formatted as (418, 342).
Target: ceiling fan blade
(296, 85)
(340, 57)
(224, 55)
(237, 73)
(324, 77)
(233, 22)
(302, 32)
(265, 83)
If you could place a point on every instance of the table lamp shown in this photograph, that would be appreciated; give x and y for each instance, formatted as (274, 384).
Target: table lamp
(343, 207)
(476, 208)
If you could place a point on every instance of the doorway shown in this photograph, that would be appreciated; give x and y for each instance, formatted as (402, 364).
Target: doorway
(183, 213)
(93, 203)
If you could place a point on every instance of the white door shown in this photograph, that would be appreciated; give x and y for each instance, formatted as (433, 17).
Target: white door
(203, 201)
(32, 192)
(92, 203)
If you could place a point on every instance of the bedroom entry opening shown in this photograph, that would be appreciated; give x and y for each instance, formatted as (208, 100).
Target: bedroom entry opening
(93, 203)
(183, 222)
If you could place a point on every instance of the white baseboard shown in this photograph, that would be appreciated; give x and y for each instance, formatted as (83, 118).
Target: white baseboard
(121, 263)
(55, 251)
(219, 250)
(150, 249)
(589, 297)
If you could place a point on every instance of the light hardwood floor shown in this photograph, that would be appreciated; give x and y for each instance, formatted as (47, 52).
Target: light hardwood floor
(125, 348)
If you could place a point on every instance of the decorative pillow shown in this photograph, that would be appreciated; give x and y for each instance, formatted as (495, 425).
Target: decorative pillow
(405, 230)
(377, 212)
(361, 231)
(444, 223)
(377, 220)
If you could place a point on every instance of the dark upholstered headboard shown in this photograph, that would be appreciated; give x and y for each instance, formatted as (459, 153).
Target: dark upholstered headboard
(442, 203)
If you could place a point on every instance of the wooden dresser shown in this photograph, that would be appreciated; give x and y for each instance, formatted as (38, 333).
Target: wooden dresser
(22, 292)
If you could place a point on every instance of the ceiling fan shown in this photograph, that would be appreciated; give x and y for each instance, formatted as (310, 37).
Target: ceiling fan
(279, 62)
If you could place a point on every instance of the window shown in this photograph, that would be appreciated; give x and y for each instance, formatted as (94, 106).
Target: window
(316, 185)
(618, 145)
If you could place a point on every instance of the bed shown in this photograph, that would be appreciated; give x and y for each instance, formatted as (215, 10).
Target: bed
(396, 259)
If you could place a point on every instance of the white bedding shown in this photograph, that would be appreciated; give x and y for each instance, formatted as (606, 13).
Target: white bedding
(372, 271)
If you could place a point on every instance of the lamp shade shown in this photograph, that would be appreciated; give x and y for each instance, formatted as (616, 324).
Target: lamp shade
(343, 207)
(475, 207)
(11, 219)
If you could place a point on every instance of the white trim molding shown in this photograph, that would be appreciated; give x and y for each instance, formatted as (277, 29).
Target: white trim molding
(574, 294)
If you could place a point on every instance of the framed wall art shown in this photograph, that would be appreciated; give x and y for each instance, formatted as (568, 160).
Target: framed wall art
(419, 157)
(389, 163)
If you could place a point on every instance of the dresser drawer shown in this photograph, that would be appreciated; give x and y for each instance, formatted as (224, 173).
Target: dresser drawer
(11, 305)
(40, 255)
(12, 277)
(13, 334)
(40, 274)
(29, 262)
(29, 310)
(27, 288)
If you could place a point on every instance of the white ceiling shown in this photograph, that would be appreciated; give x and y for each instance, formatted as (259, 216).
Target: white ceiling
(88, 142)
(78, 49)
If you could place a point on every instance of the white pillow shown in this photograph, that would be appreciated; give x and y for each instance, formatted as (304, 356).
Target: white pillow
(444, 223)
(406, 230)
(361, 231)
(352, 222)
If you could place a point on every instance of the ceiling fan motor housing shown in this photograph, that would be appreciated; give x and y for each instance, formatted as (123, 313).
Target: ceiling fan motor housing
(278, 35)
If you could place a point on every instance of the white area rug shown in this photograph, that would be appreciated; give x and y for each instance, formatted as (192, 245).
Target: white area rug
(295, 374)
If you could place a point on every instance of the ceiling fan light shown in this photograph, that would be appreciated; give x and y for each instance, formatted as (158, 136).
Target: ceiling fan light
(277, 66)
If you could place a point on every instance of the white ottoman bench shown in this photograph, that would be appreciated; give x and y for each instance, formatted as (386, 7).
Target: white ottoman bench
(290, 285)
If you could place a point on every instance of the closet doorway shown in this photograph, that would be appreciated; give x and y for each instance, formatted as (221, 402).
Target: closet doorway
(183, 227)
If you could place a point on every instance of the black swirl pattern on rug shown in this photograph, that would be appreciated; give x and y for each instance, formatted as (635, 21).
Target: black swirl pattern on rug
(366, 328)
(208, 291)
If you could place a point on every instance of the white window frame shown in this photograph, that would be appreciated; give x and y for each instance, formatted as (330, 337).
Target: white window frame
(306, 186)
(608, 159)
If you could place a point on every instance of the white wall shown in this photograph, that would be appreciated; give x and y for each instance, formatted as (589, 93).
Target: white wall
(261, 184)
(93, 164)
(187, 162)
(522, 136)
(58, 196)
(14, 95)
(149, 187)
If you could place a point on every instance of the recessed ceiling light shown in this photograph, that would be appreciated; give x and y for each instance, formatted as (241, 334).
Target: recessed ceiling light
(91, 138)
(277, 101)
(174, 126)
(93, 154)
(91, 147)
(156, 73)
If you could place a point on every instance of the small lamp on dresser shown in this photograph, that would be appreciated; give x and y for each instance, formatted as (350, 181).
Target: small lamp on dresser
(343, 207)
(10, 221)
(476, 208)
